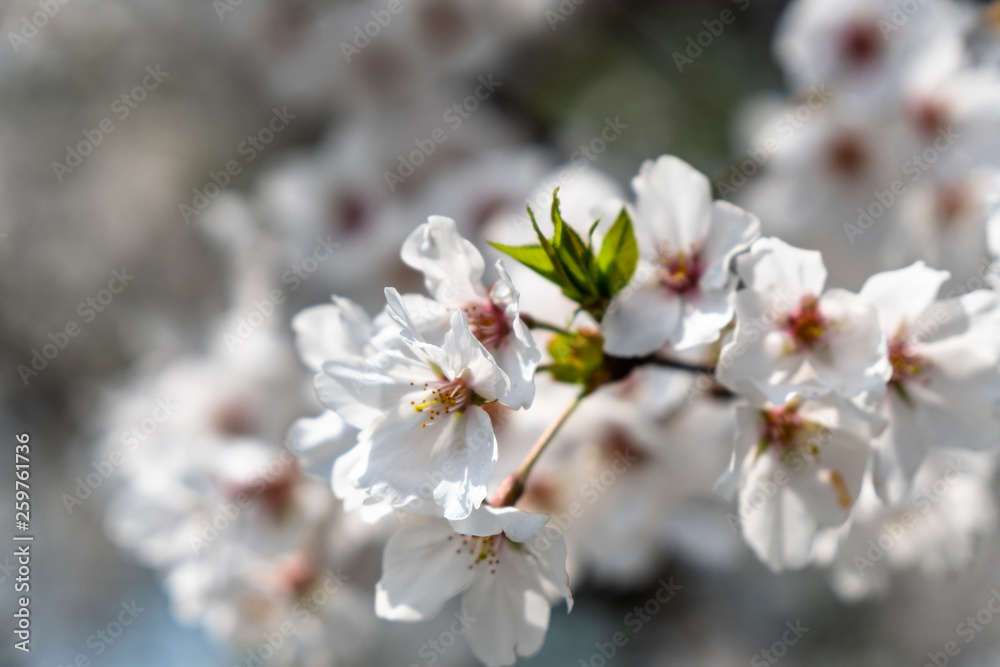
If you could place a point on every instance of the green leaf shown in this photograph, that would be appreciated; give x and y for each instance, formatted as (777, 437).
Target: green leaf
(563, 280)
(532, 256)
(590, 232)
(618, 256)
(575, 256)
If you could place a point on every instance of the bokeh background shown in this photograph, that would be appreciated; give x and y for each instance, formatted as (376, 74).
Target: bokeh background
(229, 65)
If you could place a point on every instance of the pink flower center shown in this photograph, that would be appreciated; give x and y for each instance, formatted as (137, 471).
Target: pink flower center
(680, 271)
(929, 115)
(906, 365)
(350, 213)
(806, 325)
(234, 418)
(786, 430)
(443, 25)
(297, 574)
(487, 322)
(861, 43)
(275, 493)
(847, 155)
(951, 202)
(444, 397)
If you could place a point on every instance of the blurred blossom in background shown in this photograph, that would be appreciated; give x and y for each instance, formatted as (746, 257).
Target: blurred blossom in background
(180, 178)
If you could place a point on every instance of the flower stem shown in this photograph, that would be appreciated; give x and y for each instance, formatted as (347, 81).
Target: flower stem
(513, 486)
(680, 365)
(532, 323)
(619, 367)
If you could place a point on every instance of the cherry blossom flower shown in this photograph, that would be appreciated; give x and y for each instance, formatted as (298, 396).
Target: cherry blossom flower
(863, 47)
(453, 272)
(505, 563)
(792, 337)
(680, 292)
(797, 468)
(422, 425)
(945, 384)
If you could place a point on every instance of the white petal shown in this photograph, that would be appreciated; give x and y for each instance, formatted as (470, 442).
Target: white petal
(519, 355)
(773, 266)
(452, 267)
(705, 316)
(423, 319)
(346, 470)
(830, 485)
(899, 452)
(548, 548)
(746, 437)
(467, 467)
(902, 295)
(329, 332)
(511, 611)
(362, 392)
(487, 520)
(673, 204)
(642, 318)
(449, 460)
(420, 571)
(732, 232)
(776, 522)
(462, 356)
(757, 357)
(318, 441)
(857, 359)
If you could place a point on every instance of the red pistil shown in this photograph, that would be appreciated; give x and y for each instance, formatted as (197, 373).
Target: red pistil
(906, 365)
(806, 325)
(680, 272)
(784, 428)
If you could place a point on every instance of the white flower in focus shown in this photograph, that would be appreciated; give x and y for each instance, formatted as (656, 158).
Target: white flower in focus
(680, 292)
(423, 428)
(453, 272)
(797, 468)
(506, 567)
(945, 385)
(791, 337)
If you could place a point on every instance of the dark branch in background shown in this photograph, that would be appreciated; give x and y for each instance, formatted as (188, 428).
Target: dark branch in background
(620, 367)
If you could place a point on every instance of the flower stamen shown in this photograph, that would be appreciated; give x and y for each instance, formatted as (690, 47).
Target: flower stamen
(807, 326)
(680, 272)
(487, 322)
(483, 550)
(445, 397)
(791, 435)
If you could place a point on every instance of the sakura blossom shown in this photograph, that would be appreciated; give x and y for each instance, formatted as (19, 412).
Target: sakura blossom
(681, 294)
(793, 337)
(511, 343)
(506, 570)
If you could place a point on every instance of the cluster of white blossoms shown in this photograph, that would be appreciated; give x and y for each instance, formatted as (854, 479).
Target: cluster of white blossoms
(249, 545)
(884, 157)
(584, 391)
(886, 151)
(837, 391)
